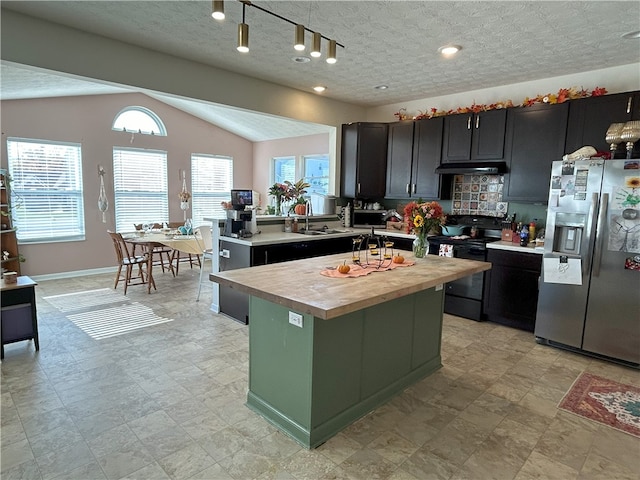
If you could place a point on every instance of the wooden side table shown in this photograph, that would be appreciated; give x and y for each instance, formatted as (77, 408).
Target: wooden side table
(19, 319)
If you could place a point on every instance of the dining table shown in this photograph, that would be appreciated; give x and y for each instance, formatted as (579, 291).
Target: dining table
(190, 244)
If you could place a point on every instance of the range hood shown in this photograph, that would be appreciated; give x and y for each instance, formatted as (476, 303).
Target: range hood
(488, 168)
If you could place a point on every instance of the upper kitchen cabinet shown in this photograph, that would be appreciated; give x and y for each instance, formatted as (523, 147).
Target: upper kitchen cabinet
(589, 119)
(535, 138)
(364, 160)
(413, 155)
(477, 136)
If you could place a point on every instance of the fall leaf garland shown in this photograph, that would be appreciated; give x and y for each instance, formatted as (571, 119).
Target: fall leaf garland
(562, 96)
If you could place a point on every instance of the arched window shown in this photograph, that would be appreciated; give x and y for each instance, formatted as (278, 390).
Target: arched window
(139, 120)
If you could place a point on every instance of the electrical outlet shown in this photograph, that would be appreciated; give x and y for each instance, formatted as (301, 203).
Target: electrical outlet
(439, 287)
(295, 319)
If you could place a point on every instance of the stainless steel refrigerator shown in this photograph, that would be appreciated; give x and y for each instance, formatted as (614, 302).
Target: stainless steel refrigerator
(589, 295)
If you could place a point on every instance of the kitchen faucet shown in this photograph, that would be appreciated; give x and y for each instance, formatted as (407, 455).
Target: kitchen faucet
(308, 212)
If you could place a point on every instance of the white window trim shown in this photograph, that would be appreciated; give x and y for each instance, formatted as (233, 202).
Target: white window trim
(19, 196)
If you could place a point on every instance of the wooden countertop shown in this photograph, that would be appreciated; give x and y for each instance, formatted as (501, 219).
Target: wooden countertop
(299, 285)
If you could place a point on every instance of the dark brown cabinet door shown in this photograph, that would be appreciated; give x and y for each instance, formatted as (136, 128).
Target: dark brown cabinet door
(589, 119)
(478, 136)
(400, 159)
(414, 154)
(364, 160)
(535, 138)
(511, 288)
(427, 147)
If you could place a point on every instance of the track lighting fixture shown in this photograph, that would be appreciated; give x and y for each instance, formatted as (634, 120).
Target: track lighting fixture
(315, 45)
(299, 41)
(243, 31)
(243, 37)
(243, 34)
(331, 52)
(218, 10)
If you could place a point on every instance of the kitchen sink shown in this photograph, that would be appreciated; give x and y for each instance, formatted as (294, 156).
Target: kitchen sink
(327, 231)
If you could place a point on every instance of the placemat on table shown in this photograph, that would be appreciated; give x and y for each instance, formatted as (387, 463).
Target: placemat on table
(359, 271)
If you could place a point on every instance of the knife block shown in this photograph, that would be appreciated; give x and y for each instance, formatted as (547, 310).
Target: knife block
(507, 235)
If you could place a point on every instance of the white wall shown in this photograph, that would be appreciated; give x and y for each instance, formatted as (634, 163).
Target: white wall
(615, 79)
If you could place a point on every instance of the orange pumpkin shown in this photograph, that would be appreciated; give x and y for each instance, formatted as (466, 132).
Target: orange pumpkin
(300, 209)
(398, 259)
(344, 268)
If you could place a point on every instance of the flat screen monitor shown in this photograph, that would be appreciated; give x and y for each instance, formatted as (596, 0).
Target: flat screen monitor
(241, 199)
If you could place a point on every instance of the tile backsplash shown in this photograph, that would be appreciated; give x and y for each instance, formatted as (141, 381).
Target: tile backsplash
(478, 195)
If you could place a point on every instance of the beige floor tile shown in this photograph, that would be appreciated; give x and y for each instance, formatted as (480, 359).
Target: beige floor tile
(169, 402)
(540, 467)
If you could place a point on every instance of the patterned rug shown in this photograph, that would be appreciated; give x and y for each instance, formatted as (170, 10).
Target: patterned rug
(604, 401)
(105, 313)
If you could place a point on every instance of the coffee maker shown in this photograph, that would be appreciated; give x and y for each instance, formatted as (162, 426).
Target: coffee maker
(239, 220)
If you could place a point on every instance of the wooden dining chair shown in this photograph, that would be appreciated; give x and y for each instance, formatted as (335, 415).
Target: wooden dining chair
(206, 243)
(127, 260)
(159, 252)
(176, 256)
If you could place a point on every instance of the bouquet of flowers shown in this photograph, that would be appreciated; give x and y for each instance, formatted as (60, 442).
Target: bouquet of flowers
(423, 217)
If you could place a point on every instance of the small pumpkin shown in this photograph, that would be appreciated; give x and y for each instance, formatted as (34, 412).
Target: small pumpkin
(300, 209)
(398, 259)
(344, 268)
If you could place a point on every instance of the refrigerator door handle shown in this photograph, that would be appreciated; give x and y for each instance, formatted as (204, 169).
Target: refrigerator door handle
(602, 215)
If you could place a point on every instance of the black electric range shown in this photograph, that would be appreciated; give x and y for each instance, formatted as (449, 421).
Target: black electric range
(463, 297)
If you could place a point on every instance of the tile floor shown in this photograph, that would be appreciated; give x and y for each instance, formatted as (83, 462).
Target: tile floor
(167, 401)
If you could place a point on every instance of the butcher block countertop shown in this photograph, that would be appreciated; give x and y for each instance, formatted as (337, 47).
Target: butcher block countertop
(298, 285)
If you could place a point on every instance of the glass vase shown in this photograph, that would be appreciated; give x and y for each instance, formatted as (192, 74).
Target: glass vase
(278, 206)
(420, 246)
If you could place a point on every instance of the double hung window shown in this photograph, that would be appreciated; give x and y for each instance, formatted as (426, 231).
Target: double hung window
(46, 190)
(212, 179)
(140, 187)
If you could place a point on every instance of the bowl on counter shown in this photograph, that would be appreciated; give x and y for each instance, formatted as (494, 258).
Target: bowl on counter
(452, 230)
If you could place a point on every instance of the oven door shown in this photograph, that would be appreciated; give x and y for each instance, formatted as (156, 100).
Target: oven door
(471, 286)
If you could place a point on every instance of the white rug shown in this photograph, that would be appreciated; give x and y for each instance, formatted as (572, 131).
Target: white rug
(102, 319)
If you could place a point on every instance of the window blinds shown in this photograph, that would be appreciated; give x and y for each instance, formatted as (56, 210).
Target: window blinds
(46, 190)
(211, 183)
(140, 187)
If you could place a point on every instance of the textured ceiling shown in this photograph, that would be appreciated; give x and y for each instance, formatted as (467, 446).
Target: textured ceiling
(386, 42)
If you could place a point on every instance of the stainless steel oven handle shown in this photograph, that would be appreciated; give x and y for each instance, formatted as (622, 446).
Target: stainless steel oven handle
(602, 216)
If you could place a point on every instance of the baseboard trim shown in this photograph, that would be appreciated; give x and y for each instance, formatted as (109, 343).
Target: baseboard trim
(73, 273)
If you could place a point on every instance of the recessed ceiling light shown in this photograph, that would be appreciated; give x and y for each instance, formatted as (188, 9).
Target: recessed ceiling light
(632, 35)
(320, 88)
(449, 50)
(381, 87)
(301, 59)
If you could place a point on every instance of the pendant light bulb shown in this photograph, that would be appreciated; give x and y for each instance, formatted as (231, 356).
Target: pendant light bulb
(299, 43)
(243, 37)
(218, 10)
(315, 44)
(331, 52)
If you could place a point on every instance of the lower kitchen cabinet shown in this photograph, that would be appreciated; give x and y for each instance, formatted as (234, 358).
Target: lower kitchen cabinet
(234, 255)
(511, 288)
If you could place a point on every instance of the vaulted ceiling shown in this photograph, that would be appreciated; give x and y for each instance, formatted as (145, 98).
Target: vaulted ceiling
(391, 43)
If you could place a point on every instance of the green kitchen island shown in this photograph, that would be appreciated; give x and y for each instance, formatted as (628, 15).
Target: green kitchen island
(324, 351)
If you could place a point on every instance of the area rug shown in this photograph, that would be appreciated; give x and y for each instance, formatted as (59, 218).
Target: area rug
(610, 403)
(105, 313)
